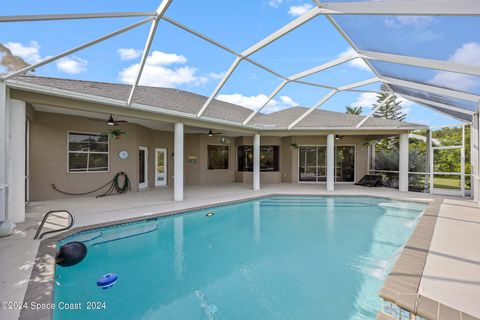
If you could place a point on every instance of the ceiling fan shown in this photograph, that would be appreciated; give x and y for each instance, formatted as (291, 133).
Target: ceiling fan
(112, 121)
(211, 133)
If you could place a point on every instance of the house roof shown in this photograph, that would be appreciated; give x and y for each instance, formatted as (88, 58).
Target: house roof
(190, 103)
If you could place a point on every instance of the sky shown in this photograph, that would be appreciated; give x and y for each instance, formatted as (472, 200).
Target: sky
(180, 60)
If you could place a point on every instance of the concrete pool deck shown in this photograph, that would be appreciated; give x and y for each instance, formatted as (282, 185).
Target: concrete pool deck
(17, 252)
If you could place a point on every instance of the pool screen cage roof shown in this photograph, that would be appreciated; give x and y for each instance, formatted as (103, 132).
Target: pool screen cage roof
(443, 98)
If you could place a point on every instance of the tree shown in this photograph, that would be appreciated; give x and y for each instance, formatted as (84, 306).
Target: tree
(354, 110)
(392, 109)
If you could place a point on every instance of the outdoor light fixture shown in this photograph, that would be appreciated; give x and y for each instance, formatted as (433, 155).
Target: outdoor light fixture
(110, 121)
(337, 137)
(210, 133)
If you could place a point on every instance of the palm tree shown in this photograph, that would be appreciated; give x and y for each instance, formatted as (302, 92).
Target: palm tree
(354, 110)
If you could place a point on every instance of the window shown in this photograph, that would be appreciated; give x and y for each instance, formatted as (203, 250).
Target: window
(87, 152)
(218, 157)
(269, 158)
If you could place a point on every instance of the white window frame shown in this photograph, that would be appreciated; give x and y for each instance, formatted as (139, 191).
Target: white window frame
(68, 152)
(165, 183)
(335, 166)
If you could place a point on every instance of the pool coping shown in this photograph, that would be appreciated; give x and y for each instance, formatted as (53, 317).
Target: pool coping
(40, 287)
(401, 286)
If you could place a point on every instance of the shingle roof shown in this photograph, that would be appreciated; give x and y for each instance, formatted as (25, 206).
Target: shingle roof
(326, 119)
(190, 103)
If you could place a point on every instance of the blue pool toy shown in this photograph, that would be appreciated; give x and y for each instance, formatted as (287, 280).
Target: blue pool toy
(107, 280)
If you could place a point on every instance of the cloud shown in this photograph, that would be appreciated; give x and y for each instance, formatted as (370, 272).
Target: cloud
(159, 73)
(467, 54)
(365, 100)
(73, 65)
(215, 75)
(256, 102)
(409, 21)
(30, 52)
(369, 99)
(356, 63)
(129, 53)
(275, 3)
(296, 11)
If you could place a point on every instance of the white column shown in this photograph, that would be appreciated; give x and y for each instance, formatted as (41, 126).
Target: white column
(16, 161)
(256, 162)
(178, 163)
(331, 162)
(403, 163)
(3, 152)
(475, 157)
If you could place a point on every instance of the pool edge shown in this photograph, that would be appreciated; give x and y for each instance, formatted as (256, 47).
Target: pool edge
(41, 283)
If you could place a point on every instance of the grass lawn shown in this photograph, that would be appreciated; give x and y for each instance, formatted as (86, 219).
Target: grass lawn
(445, 182)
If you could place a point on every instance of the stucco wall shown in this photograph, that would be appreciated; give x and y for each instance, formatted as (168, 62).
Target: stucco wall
(48, 156)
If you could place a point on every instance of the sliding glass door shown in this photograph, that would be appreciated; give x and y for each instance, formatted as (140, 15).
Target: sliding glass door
(313, 164)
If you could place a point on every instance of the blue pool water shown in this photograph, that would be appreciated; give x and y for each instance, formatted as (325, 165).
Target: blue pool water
(274, 258)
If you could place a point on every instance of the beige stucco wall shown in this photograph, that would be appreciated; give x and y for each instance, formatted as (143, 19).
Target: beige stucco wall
(48, 156)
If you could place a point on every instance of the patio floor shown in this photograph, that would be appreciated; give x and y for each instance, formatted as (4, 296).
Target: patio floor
(17, 252)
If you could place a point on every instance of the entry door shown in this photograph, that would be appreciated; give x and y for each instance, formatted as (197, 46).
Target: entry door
(160, 167)
(142, 167)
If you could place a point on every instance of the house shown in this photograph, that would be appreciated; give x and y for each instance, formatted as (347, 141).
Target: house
(59, 126)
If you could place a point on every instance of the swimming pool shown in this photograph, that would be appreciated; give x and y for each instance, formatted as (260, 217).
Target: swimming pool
(282, 257)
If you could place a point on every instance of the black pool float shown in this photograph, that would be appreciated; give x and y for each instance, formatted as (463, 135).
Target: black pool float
(71, 253)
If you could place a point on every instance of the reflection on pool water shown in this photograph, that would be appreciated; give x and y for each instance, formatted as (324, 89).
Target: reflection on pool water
(273, 258)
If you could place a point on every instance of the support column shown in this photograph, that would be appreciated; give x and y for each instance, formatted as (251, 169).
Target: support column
(475, 157)
(178, 163)
(331, 162)
(429, 161)
(3, 152)
(16, 161)
(256, 162)
(403, 163)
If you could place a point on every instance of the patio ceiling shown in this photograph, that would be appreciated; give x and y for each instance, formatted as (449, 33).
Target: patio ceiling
(402, 72)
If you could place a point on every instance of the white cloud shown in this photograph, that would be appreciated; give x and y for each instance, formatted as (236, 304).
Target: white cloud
(157, 72)
(296, 11)
(275, 3)
(73, 65)
(365, 100)
(215, 75)
(467, 54)
(30, 52)
(162, 58)
(409, 21)
(369, 99)
(129, 53)
(256, 102)
(357, 63)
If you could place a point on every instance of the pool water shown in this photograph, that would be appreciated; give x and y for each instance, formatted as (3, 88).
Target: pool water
(274, 258)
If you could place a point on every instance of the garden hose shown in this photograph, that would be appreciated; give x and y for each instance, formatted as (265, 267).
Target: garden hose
(113, 185)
